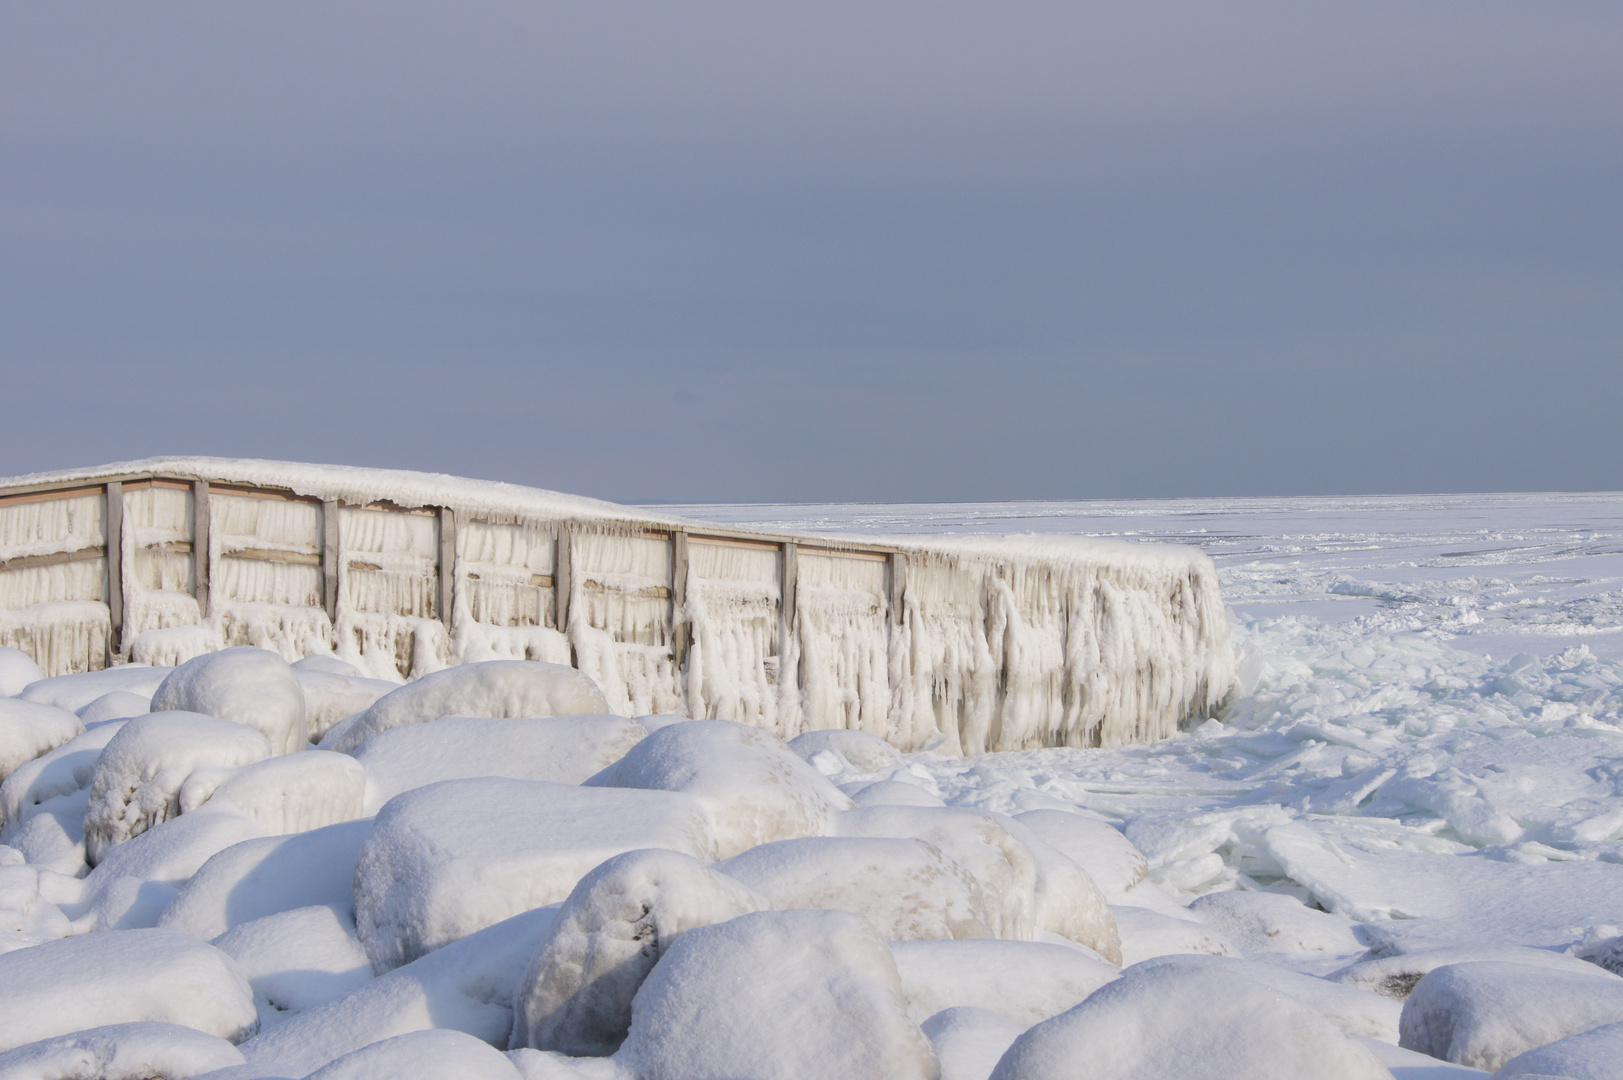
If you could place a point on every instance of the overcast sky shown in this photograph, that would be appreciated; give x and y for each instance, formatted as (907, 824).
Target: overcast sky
(871, 251)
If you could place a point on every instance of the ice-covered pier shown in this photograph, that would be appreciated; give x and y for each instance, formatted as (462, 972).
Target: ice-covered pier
(999, 644)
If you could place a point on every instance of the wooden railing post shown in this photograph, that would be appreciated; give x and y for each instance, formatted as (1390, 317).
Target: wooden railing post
(447, 564)
(679, 598)
(562, 580)
(329, 559)
(202, 521)
(113, 520)
(788, 583)
(898, 585)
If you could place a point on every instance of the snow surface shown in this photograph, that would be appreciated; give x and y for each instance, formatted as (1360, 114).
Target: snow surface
(1407, 824)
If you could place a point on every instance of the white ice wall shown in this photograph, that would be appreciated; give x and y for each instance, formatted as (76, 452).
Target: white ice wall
(980, 645)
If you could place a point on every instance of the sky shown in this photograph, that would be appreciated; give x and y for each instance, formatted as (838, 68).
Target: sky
(873, 251)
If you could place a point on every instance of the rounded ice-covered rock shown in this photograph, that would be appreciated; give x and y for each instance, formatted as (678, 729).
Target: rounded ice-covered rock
(1595, 1054)
(865, 753)
(17, 671)
(73, 692)
(29, 730)
(298, 959)
(562, 749)
(777, 995)
(115, 705)
(143, 1050)
(754, 788)
(62, 771)
(575, 997)
(252, 686)
(1110, 859)
(451, 858)
(1194, 1022)
(1395, 976)
(906, 887)
(1485, 1013)
(434, 1054)
(1003, 867)
(289, 794)
(968, 1041)
(267, 875)
(1275, 923)
(494, 688)
(95, 980)
(136, 781)
(1025, 981)
(333, 696)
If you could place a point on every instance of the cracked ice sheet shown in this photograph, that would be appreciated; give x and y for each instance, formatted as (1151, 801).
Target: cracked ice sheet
(1428, 730)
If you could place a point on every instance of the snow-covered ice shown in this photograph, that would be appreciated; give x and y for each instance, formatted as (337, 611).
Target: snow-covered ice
(1406, 825)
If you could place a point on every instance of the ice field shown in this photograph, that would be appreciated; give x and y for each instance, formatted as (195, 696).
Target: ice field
(1397, 851)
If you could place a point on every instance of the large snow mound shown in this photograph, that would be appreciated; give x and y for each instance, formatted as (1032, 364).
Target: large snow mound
(1590, 1055)
(135, 1051)
(252, 686)
(1025, 981)
(454, 857)
(290, 794)
(1002, 866)
(137, 975)
(298, 959)
(906, 888)
(777, 995)
(422, 1055)
(575, 997)
(136, 781)
(467, 986)
(267, 875)
(494, 688)
(17, 670)
(1196, 1022)
(1483, 1014)
(29, 729)
(563, 750)
(754, 788)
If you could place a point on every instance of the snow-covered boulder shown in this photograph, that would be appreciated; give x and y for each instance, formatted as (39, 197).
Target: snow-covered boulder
(252, 686)
(777, 995)
(260, 877)
(135, 1051)
(1003, 867)
(454, 857)
(754, 788)
(968, 1041)
(907, 888)
(889, 793)
(1275, 923)
(288, 794)
(1146, 934)
(1024, 981)
(29, 730)
(864, 752)
(433, 1054)
(17, 671)
(1485, 1013)
(331, 697)
(63, 771)
(494, 688)
(1590, 1055)
(1110, 859)
(563, 750)
(139, 878)
(1194, 1022)
(1395, 976)
(136, 781)
(1065, 901)
(115, 705)
(74, 692)
(466, 986)
(135, 975)
(1357, 1013)
(575, 996)
(298, 959)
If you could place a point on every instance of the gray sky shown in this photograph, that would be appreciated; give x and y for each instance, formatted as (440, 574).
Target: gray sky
(871, 251)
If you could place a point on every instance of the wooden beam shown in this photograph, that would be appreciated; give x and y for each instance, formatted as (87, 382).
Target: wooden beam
(113, 520)
(56, 558)
(680, 630)
(296, 558)
(562, 580)
(898, 585)
(329, 558)
(789, 583)
(447, 567)
(202, 521)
